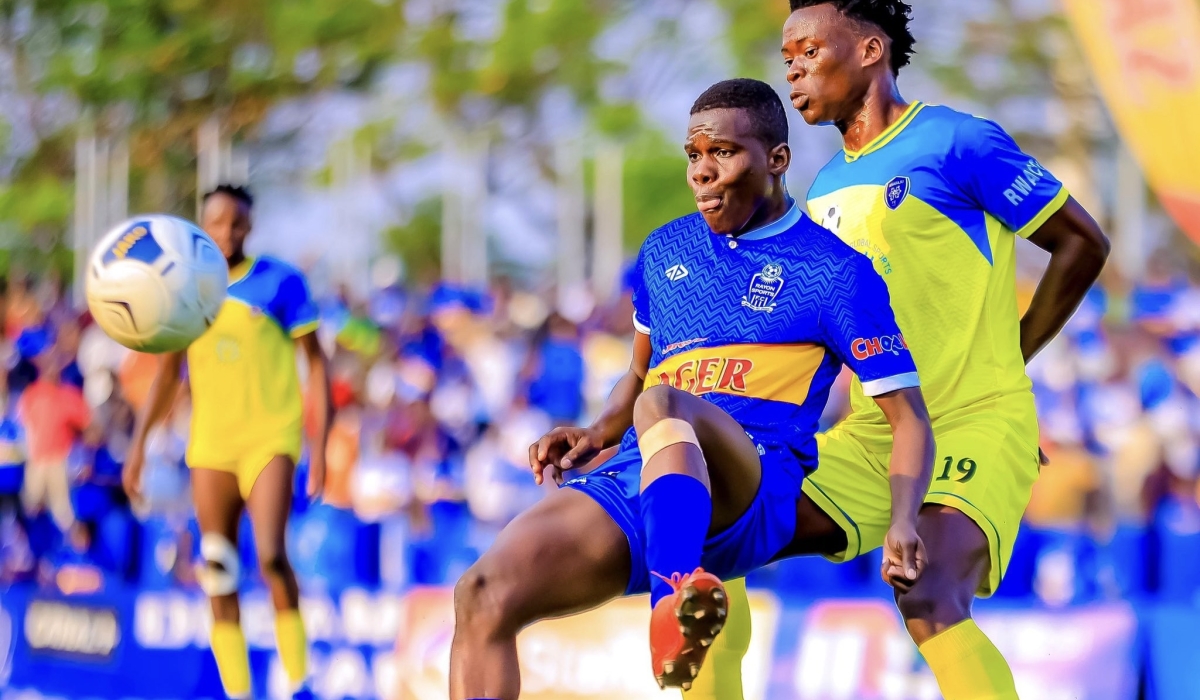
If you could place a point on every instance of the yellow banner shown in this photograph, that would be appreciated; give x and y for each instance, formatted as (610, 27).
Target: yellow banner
(1145, 55)
(603, 654)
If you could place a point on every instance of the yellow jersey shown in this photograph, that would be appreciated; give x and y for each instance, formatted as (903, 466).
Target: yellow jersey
(242, 371)
(936, 202)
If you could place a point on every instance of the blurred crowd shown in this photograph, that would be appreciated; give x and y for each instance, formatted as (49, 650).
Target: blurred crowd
(439, 392)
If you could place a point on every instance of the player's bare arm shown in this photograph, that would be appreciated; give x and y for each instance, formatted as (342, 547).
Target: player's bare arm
(909, 473)
(162, 396)
(318, 384)
(1078, 250)
(568, 448)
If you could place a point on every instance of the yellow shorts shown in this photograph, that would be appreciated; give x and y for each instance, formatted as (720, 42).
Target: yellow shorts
(247, 467)
(984, 468)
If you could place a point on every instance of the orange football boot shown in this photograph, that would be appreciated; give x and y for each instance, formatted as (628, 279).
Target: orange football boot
(683, 626)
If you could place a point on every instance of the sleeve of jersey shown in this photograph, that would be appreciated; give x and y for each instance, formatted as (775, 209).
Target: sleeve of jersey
(298, 312)
(641, 298)
(1002, 179)
(861, 329)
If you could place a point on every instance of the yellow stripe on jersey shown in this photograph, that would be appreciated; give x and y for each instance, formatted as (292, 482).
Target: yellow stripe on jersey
(1048, 211)
(304, 329)
(773, 372)
(888, 134)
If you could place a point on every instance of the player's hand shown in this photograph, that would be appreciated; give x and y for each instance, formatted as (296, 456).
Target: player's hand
(903, 557)
(564, 448)
(131, 473)
(316, 476)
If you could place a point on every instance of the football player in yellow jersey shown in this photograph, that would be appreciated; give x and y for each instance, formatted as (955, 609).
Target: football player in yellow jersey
(936, 198)
(246, 434)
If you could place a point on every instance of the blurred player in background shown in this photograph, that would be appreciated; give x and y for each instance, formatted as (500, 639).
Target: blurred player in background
(246, 433)
(715, 418)
(936, 198)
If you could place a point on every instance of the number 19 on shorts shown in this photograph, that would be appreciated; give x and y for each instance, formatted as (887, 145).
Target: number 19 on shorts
(962, 472)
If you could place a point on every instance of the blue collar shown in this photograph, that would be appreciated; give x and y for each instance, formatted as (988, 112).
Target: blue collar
(783, 223)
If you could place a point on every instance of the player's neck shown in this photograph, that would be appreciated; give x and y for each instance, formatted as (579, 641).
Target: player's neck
(881, 107)
(771, 211)
(236, 259)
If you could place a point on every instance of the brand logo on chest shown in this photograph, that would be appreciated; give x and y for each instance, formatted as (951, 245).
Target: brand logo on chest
(764, 287)
(676, 272)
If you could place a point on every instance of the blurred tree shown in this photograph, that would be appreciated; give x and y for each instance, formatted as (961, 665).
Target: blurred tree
(755, 29)
(156, 69)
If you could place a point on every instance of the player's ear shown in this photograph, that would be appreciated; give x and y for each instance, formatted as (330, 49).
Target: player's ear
(779, 159)
(873, 50)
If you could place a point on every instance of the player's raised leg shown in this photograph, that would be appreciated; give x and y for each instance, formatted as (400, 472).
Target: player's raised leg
(219, 509)
(563, 556)
(701, 473)
(269, 503)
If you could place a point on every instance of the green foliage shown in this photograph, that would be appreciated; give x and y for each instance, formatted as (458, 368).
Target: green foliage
(418, 241)
(656, 189)
(156, 69)
(754, 32)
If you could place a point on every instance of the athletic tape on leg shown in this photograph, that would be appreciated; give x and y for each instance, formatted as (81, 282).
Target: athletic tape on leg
(663, 434)
(219, 572)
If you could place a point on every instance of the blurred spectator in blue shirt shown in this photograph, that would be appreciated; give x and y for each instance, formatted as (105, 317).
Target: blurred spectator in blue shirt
(1159, 306)
(554, 371)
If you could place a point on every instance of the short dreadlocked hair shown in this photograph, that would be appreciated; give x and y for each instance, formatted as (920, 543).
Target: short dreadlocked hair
(891, 16)
(754, 96)
(237, 192)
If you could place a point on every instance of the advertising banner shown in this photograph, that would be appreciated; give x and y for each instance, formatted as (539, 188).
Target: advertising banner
(364, 645)
(859, 650)
(603, 654)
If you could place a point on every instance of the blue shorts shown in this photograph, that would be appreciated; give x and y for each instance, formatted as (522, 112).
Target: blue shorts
(767, 526)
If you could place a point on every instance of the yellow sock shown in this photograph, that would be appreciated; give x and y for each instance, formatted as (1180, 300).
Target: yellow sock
(967, 665)
(721, 676)
(229, 648)
(292, 644)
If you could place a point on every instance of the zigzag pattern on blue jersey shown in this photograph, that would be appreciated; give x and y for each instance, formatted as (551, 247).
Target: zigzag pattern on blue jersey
(821, 277)
(830, 296)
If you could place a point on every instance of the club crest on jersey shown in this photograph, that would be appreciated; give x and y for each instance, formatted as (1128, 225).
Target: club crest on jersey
(764, 287)
(896, 191)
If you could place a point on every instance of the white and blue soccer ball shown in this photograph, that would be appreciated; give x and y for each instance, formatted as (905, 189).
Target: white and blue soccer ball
(155, 283)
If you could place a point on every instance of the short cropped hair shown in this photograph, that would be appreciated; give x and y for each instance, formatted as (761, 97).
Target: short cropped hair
(890, 16)
(238, 192)
(754, 96)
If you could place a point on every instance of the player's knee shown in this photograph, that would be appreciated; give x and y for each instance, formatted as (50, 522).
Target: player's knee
(220, 567)
(484, 601)
(274, 565)
(934, 604)
(655, 404)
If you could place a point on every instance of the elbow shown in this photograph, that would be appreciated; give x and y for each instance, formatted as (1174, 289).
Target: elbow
(1087, 253)
(1101, 247)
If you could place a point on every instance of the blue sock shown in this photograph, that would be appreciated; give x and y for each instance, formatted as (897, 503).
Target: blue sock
(676, 511)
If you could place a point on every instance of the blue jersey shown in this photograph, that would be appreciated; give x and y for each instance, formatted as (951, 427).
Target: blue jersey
(761, 325)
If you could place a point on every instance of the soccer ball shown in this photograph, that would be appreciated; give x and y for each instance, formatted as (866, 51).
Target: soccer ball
(155, 283)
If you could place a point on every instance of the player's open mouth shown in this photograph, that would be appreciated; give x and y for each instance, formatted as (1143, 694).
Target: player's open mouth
(799, 100)
(708, 203)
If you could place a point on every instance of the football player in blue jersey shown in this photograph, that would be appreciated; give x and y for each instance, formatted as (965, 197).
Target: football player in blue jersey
(937, 199)
(745, 314)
